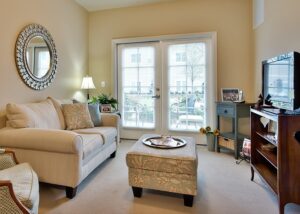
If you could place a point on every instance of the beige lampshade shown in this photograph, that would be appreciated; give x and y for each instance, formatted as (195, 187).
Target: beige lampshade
(87, 83)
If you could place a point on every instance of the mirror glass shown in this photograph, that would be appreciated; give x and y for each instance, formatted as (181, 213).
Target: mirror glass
(38, 56)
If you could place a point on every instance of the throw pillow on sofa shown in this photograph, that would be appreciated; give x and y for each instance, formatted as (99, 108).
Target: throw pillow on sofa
(95, 113)
(77, 116)
(32, 115)
(94, 109)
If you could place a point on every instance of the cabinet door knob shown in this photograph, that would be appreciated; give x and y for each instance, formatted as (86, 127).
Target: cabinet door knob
(225, 111)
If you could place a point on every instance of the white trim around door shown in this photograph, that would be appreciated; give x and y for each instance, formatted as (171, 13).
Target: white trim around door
(162, 44)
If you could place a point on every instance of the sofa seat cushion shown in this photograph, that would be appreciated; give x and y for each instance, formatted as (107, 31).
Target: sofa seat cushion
(92, 144)
(108, 134)
(25, 183)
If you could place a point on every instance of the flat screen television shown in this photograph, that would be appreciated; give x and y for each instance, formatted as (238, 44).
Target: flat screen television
(281, 80)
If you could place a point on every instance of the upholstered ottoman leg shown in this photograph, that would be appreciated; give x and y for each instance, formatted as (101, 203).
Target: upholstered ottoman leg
(137, 191)
(71, 192)
(188, 200)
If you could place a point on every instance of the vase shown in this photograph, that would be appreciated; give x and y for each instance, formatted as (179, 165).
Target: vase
(210, 140)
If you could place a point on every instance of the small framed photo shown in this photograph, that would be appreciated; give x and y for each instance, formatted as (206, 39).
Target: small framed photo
(230, 94)
(106, 108)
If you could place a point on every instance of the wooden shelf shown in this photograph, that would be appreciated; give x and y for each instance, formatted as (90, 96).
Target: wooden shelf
(269, 116)
(269, 156)
(279, 166)
(268, 175)
(268, 137)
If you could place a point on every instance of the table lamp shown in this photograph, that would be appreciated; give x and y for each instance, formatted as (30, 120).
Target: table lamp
(87, 83)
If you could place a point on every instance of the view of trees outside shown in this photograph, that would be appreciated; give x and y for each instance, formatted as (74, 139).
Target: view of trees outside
(186, 71)
(138, 68)
(186, 86)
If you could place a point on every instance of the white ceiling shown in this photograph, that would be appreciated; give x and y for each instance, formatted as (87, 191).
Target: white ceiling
(94, 5)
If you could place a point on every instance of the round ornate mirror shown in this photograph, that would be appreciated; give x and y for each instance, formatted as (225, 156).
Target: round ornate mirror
(36, 56)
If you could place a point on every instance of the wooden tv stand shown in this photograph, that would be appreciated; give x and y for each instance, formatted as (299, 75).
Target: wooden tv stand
(278, 166)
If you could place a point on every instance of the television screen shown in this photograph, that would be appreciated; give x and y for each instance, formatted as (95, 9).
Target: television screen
(281, 77)
(279, 82)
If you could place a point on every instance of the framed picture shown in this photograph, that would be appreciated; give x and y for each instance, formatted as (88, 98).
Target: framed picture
(106, 108)
(230, 94)
(246, 150)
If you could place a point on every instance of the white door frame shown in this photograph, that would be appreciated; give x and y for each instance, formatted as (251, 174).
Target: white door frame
(212, 36)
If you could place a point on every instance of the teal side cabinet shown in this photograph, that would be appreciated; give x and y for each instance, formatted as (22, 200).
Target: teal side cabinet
(232, 140)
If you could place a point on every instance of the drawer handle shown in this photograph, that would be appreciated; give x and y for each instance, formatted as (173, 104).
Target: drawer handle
(225, 111)
(226, 139)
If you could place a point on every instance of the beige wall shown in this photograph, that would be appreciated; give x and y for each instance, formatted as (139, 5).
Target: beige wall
(280, 33)
(231, 19)
(68, 24)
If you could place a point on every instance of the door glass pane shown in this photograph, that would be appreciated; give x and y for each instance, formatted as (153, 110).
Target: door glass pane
(138, 69)
(186, 84)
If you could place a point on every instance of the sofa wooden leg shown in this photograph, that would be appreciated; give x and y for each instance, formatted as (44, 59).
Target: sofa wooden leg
(188, 200)
(71, 192)
(113, 154)
(137, 192)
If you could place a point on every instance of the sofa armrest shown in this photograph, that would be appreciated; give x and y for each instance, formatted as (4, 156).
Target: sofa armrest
(112, 120)
(50, 140)
(7, 193)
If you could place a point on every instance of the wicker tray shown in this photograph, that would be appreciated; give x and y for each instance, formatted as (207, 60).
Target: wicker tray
(164, 142)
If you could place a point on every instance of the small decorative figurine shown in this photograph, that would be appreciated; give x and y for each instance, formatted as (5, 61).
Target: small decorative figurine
(260, 102)
(268, 101)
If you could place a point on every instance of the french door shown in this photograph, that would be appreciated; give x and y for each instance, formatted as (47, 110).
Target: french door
(139, 85)
(162, 87)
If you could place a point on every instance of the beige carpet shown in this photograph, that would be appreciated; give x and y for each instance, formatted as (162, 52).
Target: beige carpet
(223, 187)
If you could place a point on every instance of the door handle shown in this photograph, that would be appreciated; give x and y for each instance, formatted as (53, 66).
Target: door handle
(156, 97)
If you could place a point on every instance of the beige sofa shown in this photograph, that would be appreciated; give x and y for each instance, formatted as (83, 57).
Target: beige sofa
(58, 156)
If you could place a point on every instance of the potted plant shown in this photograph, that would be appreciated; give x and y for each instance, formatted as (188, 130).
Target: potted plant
(104, 99)
(210, 137)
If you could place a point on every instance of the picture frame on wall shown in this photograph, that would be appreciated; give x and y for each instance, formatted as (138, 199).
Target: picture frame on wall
(105, 108)
(230, 95)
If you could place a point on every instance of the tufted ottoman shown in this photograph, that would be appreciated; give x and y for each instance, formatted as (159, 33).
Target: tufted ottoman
(171, 170)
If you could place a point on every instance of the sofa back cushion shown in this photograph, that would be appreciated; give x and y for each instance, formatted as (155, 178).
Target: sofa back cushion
(32, 115)
(58, 107)
(77, 116)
